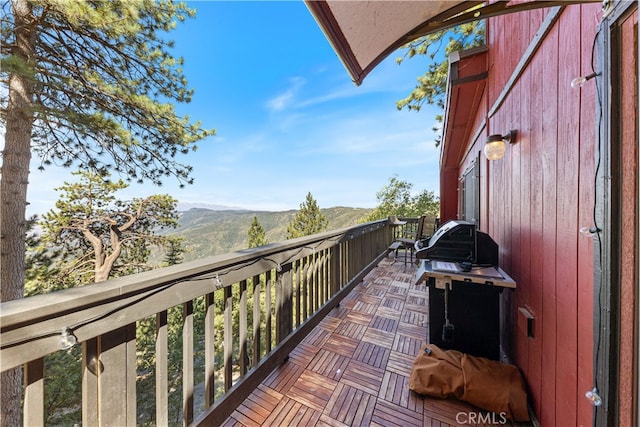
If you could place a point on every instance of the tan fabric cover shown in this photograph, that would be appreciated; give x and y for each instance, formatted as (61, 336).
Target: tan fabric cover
(494, 386)
(487, 384)
(438, 374)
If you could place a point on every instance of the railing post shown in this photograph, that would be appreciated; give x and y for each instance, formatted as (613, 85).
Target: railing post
(334, 281)
(284, 303)
(243, 357)
(256, 321)
(90, 368)
(34, 393)
(187, 362)
(228, 338)
(162, 369)
(116, 370)
(209, 351)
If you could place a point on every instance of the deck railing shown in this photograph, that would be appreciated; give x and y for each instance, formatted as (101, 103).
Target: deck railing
(239, 315)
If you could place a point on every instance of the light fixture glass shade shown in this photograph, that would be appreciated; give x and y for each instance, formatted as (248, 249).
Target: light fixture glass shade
(578, 82)
(494, 150)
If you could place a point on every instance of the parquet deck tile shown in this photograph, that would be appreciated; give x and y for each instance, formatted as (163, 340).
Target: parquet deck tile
(384, 323)
(353, 368)
(317, 337)
(410, 316)
(393, 303)
(329, 323)
(372, 354)
(377, 290)
(283, 378)
(407, 344)
(415, 331)
(377, 336)
(359, 318)
(329, 364)
(313, 390)
(363, 376)
(303, 354)
(351, 330)
(400, 363)
(342, 345)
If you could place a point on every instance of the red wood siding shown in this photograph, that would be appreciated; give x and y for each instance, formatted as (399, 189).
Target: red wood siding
(629, 243)
(535, 199)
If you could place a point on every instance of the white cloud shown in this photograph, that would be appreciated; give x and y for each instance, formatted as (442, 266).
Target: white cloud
(286, 99)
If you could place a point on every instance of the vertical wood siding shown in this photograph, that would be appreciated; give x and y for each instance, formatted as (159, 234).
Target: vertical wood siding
(537, 198)
(629, 209)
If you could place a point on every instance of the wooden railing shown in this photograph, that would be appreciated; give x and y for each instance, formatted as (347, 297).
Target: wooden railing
(238, 316)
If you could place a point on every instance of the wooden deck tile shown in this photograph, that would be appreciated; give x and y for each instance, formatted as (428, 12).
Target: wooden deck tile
(342, 345)
(283, 378)
(363, 376)
(313, 390)
(329, 364)
(353, 368)
(303, 354)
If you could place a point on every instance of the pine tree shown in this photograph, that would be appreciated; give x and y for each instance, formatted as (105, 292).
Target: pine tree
(432, 85)
(104, 236)
(256, 234)
(91, 84)
(308, 220)
(175, 251)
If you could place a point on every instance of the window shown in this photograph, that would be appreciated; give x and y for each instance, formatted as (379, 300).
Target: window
(469, 193)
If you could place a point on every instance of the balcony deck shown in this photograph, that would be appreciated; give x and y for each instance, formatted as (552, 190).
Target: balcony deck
(353, 369)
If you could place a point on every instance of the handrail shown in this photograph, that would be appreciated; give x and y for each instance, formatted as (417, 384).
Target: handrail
(294, 279)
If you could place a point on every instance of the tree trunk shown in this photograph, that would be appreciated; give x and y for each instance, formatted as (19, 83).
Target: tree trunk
(13, 192)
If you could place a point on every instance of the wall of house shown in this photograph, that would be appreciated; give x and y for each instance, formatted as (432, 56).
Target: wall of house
(535, 200)
(628, 97)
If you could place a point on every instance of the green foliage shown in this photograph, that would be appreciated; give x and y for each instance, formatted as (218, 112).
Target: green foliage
(175, 251)
(100, 235)
(105, 86)
(308, 220)
(256, 234)
(395, 198)
(63, 387)
(432, 85)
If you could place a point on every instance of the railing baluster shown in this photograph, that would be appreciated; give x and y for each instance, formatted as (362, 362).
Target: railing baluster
(244, 358)
(162, 369)
(209, 351)
(314, 281)
(304, 291)
(34, 393)
(187, 362)
(256, 321)
(228, 338)
(284, 318)
(90, 366)
(268, 308)
(299, 291)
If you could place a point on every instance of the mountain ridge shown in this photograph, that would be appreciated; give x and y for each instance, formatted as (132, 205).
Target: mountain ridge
(208, 232)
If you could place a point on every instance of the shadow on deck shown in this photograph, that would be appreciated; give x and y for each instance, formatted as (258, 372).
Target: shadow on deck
(353, 369)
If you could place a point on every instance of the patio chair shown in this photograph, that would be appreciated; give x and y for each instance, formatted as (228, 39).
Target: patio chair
(408, 243)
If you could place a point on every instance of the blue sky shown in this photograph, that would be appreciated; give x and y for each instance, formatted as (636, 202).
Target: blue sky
(288, 118)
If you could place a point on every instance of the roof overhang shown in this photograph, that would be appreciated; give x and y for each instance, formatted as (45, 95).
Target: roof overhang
(468, 71)
(363, 33)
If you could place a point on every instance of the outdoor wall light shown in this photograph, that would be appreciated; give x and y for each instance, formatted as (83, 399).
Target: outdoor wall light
(496, 145)
(67, 339)
(578, 82)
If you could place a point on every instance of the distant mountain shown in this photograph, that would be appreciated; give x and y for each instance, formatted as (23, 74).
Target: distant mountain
(187, 206)
(212, 232)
